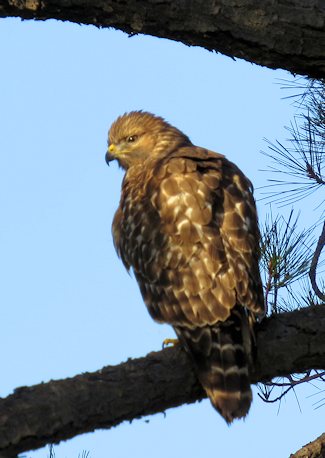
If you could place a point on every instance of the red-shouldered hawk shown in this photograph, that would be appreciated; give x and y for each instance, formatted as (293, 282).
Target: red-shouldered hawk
(187, 226)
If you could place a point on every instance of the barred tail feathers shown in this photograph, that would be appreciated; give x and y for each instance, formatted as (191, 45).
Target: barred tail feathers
(222, 355)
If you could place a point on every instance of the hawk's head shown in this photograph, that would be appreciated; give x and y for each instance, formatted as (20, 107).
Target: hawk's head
(137, 135)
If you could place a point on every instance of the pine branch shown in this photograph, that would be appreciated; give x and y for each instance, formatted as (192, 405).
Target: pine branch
(313, 267)
(286, 255)
(48, 413)
(299, 167)
(245, 29)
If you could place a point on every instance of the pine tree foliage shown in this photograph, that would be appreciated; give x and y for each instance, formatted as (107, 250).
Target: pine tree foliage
(288, 253)
(299, 166)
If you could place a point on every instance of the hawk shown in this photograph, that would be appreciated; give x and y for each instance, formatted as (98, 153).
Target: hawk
(187, 226)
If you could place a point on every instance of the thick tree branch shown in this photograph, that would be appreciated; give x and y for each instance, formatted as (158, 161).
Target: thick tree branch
(315, 449)
(288, 34)
(50, 412)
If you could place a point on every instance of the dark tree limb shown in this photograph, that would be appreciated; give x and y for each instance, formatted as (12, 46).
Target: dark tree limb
(315, 449)
(313, 266)
(288, 34)
(34, 416)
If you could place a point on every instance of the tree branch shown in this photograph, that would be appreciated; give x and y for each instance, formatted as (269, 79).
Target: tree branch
(313, 266)
(273, 33)
(34, 416)
(315, 449)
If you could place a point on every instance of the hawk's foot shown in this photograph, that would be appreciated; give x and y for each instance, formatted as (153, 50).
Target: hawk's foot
(172, 342)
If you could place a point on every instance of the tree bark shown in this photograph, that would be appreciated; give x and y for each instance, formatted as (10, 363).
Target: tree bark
(315, 449)
(34, 416)
(288, 34)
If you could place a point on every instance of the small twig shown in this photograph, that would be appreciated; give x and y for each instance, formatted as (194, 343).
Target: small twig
(290, 385)
(270, 401)
(268, 288)
(314, 262)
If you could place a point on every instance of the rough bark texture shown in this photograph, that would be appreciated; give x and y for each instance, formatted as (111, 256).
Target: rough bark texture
(49, 412)
(315, 449)
(288, 34)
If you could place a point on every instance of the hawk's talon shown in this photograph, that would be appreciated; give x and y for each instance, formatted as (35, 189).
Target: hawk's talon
(172, 342)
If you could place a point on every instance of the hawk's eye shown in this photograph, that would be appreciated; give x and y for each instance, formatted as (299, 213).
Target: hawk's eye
(132, 138)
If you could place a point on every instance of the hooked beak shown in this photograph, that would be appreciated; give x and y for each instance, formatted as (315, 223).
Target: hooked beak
(109, 157)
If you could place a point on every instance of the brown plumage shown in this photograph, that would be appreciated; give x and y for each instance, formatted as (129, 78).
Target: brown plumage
(187, 226)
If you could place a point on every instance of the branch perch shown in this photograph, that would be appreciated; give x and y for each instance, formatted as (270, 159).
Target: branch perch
(34, 416)
(315, 449)
(273, 33)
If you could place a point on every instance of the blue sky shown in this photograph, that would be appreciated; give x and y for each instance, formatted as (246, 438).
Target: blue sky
(68, 305)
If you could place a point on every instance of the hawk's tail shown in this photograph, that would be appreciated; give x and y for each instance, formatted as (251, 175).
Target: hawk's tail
(222, 356)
